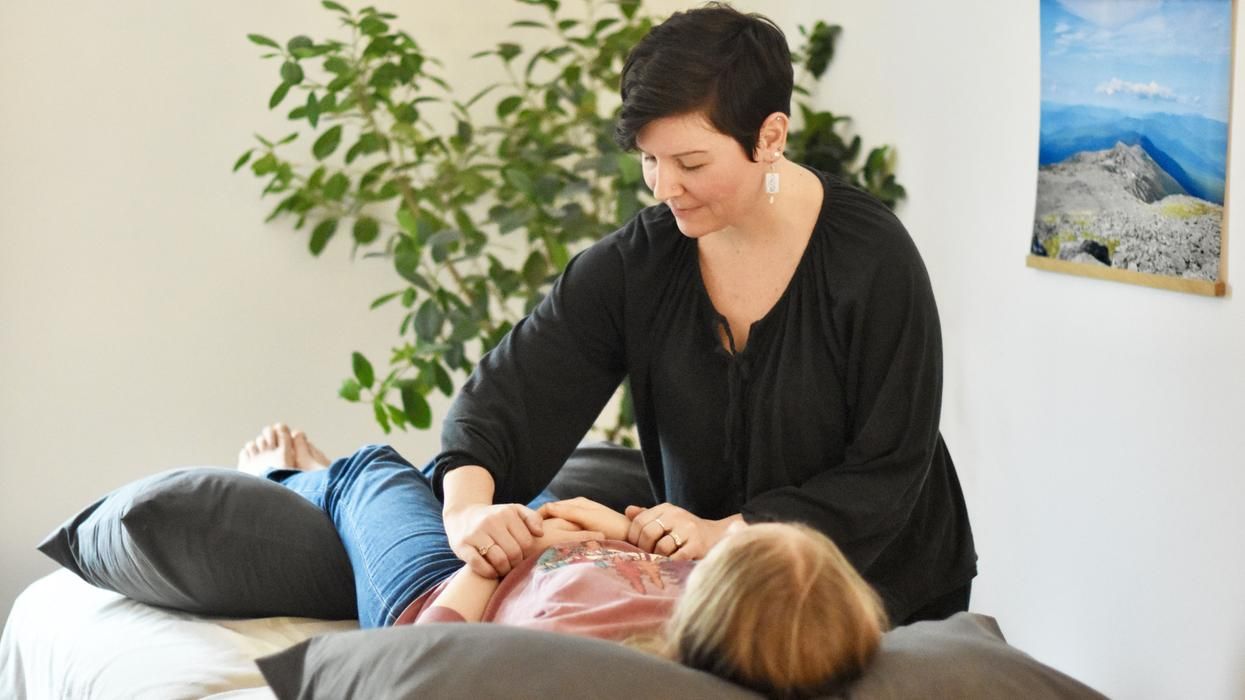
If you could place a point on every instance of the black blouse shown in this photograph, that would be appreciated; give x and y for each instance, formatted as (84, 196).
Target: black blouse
(829, 416)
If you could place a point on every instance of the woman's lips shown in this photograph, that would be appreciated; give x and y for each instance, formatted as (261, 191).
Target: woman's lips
(682, 211)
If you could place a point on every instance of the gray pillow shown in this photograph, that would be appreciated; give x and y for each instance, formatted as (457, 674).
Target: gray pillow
(963, 657)
(210, 541)
(473, 661)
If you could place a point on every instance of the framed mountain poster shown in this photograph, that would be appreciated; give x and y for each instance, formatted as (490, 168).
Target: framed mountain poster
(1133, 155)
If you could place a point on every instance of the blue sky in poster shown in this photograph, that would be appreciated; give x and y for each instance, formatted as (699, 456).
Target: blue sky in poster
(1138, 56)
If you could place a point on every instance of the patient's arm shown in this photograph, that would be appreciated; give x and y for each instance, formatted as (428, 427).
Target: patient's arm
(468, 593)
(589, 515)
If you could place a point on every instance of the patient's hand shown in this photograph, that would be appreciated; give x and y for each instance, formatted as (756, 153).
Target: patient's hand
(589, 514)
(560, 531)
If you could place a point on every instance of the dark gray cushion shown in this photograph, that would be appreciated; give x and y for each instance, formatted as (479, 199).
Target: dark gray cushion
(605, 473)
(473, 661)
(963, 657)
(210, 541)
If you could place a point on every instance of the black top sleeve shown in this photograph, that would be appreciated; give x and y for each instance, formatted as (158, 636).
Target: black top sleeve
(887, 327)
(533, 397)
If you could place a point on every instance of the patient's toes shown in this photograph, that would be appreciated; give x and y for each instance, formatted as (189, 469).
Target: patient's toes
(273, 448)
(285, 444)
(306, 456)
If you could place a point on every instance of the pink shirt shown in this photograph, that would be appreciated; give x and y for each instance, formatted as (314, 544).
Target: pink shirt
(609, 590)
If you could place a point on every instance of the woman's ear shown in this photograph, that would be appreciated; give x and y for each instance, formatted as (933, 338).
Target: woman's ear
(772, 138)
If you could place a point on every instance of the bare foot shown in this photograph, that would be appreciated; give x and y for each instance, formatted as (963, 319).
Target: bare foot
(272, 448)
(307, 456)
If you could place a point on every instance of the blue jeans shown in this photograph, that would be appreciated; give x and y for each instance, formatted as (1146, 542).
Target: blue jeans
(389, 522)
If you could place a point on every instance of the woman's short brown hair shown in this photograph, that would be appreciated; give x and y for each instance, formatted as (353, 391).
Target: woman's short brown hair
(733, 67)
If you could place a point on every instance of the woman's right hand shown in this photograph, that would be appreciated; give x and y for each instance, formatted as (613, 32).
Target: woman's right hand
(589, 515)
(492, 539)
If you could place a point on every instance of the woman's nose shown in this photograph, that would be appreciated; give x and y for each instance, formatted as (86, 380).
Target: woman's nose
(666, 183)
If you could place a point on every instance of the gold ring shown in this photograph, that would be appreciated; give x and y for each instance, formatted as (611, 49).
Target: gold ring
(678, 541)
(661, 525)
(483, 550)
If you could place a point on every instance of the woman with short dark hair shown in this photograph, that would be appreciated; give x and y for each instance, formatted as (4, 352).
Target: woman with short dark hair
(777, 327)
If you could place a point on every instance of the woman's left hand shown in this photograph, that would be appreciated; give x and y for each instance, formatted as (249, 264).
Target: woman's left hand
(670, 530)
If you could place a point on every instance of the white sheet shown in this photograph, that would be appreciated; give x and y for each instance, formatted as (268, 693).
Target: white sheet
(67, 639)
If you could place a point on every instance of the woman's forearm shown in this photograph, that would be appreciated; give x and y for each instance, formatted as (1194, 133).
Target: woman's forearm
(465, 486)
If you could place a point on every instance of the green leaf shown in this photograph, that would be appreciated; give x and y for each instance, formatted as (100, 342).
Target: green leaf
(629, 169)
(508, 51)
(291, 73)
(336, 187)
(263, 40)
(518, 179)
(366, 230)
(508, 105)
(535, 269)
(266, 164)
(629, 7)
(416, 407)
(603, 24)
(312, 109)
(242, 159)
(327, 143)
(362, 369)
(382, 300)
(378, 409)
(406, 263)
(558, 253)
(465, 328)
(321, 235)
(408, 223)
(408, 297)
(396, 415)
(428, 321)
(337, 65)
(350, 389)
(373, 26)
(443, 243)
(406, 113)
(442, 378)
(299, 42)
(279, 94)
(329, 4)
(529, 23)
(455, 357)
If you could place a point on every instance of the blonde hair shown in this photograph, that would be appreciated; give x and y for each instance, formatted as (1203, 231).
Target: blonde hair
(776, 607)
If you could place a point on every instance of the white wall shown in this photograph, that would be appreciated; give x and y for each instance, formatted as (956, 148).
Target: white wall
(148, 318)
(1097, 426)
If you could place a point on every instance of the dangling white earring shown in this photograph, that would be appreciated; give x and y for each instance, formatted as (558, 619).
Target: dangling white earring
(771, 178)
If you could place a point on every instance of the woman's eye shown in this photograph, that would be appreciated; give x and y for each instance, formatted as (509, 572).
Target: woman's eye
(690, 168)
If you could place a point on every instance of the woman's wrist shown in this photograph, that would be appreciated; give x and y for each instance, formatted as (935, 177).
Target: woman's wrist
(464, 487)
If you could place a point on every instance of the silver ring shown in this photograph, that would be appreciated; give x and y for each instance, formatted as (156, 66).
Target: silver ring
(661, 525)
(678, 541)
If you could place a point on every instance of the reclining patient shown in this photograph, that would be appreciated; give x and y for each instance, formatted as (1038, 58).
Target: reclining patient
(774, 607)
